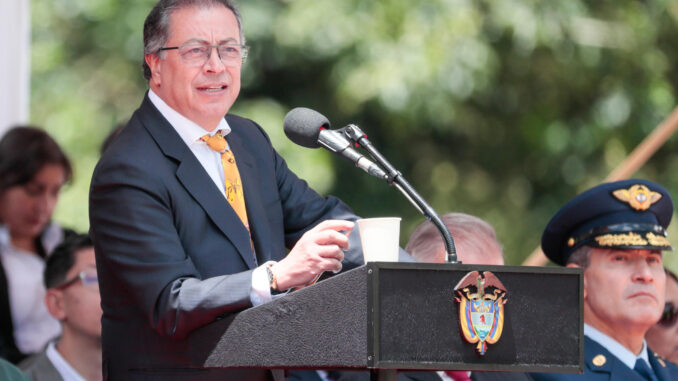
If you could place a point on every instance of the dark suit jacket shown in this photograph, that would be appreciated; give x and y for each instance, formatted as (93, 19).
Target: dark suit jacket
(612, 369)
(171, 253)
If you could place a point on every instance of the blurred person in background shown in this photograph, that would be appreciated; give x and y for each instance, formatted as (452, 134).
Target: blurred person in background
(33, 169)
(73, 299)
(663, 336)
(475, 241)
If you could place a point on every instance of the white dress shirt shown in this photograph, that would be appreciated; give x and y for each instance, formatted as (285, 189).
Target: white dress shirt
(210, 160)
(62, 366)
(33, 325)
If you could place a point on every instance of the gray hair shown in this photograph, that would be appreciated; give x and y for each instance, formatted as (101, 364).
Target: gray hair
(156, 26)
(581, 256)
(426, 244)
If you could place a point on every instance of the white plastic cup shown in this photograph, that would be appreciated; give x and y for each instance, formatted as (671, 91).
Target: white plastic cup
(380, 238)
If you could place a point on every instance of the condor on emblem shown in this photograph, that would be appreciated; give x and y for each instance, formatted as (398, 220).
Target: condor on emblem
(481, 298)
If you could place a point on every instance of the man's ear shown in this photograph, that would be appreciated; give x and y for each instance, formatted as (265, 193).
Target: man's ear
(54, 300)
(153, 62)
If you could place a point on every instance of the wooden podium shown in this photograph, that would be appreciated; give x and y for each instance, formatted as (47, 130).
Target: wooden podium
(387, 316)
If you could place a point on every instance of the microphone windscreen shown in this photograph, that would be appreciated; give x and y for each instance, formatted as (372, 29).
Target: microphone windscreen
(302, 126)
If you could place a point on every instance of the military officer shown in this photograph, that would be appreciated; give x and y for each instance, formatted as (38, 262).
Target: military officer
(616, 232)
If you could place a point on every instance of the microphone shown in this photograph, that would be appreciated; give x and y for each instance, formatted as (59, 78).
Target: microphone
(310, 129)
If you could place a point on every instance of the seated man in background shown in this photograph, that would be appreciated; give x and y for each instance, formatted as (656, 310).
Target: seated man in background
(476, 243)
(616, 232)
(663, 336)
(73, 299)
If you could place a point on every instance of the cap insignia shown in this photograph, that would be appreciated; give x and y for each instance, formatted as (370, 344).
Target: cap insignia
(657, 240)
(628, 239)
(638, 196)
(599, 360)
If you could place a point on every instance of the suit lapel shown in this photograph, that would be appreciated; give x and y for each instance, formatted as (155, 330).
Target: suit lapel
(193, 177)
(256, 215)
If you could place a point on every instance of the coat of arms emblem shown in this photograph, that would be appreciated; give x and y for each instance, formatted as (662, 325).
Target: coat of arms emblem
(481, 298)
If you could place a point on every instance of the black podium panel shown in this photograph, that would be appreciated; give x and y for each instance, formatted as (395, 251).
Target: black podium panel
(403, 316)
(416, 320)
(322, 326)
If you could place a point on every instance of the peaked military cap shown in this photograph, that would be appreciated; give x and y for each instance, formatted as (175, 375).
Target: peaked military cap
(627, 214)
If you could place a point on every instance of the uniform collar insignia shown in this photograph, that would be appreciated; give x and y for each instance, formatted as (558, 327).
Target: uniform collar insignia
(638, 196)
(599, 360)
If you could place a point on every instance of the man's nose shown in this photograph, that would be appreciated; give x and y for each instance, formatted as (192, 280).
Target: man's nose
(642, 271)
(214, 64)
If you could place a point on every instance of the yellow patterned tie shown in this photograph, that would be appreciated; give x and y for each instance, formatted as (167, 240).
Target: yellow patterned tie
(232, 183)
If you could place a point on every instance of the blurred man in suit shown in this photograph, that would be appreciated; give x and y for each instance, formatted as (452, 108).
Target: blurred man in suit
(476, 243)
(475, 240)
(616, 232)
(192, 211)
(72, 298)
(663, 336)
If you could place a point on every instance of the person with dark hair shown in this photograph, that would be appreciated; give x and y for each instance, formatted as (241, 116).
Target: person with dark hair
(616, 232)
(73, 299)
(192, 210)
(33, 170)
(663, 336)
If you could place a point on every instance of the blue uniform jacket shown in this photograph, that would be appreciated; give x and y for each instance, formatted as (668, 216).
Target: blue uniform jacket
(612, 368)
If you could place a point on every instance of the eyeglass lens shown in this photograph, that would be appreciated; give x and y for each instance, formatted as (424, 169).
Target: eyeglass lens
(89, 278)
(198, 54)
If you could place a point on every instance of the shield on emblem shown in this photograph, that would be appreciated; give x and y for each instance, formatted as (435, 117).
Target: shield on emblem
(481, 308)
(482, 317)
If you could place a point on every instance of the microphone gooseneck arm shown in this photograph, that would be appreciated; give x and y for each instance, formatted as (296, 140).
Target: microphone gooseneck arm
(394, 177)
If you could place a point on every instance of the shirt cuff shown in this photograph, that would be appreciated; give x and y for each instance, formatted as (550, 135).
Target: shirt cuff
(261, 288)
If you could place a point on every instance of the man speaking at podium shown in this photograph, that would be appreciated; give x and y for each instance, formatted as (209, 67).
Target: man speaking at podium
(192, 210)
(616, 232)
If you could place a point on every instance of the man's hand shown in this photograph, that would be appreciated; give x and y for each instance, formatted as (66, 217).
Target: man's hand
(319, 249)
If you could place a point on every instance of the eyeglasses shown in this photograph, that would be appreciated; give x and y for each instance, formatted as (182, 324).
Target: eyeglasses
(197, 54)
(88, 278)
(669, 316)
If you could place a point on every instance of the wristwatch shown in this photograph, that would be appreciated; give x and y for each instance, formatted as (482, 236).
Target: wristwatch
(272, 281)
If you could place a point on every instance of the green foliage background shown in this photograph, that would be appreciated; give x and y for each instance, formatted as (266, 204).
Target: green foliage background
(500, 108)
